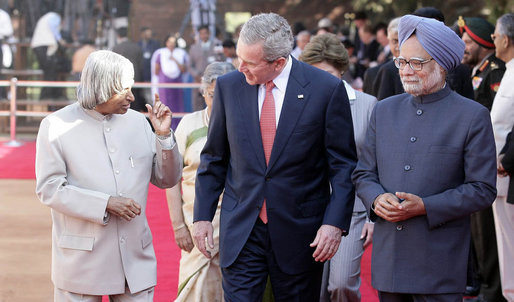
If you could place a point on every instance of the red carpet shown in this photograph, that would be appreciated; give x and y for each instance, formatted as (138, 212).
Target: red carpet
(18, 163)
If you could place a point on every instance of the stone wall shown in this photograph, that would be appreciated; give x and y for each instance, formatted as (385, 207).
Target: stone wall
(165, 16)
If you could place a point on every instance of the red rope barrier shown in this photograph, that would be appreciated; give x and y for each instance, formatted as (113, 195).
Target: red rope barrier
(14, 84)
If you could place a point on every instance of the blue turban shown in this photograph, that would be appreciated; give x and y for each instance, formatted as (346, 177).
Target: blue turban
(437, 39)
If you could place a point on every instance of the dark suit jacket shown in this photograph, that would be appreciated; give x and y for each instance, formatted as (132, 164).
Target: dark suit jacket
(147, 49)
(459, 80)
(508, 163)
(307, 181)
(387, 82)
(486, 80)
(369, 78)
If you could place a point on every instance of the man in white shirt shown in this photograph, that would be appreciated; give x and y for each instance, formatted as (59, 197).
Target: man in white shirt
(502, 117)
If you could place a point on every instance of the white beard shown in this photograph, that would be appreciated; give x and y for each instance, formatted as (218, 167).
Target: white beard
(423, 87)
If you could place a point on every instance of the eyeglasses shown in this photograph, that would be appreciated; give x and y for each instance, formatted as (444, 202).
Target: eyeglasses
(493, 36)
(415, 64)
(208, 94)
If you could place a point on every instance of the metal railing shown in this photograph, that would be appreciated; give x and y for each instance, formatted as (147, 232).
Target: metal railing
(13, 112)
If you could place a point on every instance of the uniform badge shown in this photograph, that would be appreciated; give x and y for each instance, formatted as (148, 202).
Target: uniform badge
(484, 65)
(495, 86)
(476, 81)
(494, 65)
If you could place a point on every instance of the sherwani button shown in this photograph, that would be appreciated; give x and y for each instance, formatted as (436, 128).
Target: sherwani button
(407, 167)
(419, 112)
(413, 139)
(399, 227)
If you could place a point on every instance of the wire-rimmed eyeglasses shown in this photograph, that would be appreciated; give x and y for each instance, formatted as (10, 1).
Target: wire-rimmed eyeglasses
(415, 64)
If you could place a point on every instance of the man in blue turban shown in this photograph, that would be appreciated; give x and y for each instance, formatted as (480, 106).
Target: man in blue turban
(428, 163)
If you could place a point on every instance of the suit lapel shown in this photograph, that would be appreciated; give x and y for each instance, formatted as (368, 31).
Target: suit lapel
(294, 101)
(250, 116)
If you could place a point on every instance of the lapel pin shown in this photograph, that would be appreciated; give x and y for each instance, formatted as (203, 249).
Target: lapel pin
(300, 96)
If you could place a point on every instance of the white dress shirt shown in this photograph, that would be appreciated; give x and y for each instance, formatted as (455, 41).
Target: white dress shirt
(279, 91)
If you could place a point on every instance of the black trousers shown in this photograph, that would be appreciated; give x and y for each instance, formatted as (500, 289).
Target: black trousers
(47, 64)
(483, 237)
(246, 278)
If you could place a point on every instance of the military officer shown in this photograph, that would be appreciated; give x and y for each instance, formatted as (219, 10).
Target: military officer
(479, 54)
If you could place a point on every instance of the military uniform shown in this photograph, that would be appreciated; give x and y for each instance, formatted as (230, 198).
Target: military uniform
(486, 80)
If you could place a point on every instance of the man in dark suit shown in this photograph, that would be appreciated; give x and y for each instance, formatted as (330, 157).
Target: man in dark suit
(281, 146)
(387, 81)
(148, 47)
(424, 169)
(132, 51)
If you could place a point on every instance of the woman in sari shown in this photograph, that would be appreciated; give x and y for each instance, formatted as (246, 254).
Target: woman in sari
(169, 64)
(199, 277)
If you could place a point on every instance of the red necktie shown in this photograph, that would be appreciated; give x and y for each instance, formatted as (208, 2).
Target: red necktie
(268, 128)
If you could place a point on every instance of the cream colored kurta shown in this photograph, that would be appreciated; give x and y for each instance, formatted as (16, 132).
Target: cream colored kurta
(83, 158)
(199, 278)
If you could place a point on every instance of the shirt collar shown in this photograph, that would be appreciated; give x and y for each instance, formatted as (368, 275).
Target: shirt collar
(510, 64)
(281, 80)
(349, 91)
(97, 115)
(434, 97)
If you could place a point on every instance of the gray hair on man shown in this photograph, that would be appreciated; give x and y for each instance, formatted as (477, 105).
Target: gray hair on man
(506, 25)
(393, 25)
(105, 74)
(213, 71)
(273, 31)
(303, 33)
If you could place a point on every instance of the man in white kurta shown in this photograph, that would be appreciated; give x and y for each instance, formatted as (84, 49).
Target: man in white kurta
(93, 168)
(502, 118)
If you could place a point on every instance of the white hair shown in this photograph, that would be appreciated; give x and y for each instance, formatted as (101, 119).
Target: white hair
(105, 74)
(303, 33)
(272, 31)
(213, 71)
(506, 25)
(393, 25)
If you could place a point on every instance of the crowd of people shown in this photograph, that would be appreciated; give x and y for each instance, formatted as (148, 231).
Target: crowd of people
(303, 149)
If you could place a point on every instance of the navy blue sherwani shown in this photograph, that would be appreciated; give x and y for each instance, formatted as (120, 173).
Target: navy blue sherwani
(441, 148)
